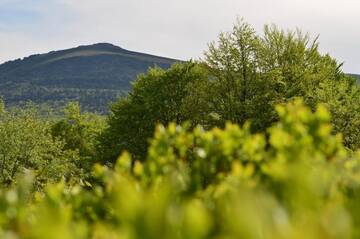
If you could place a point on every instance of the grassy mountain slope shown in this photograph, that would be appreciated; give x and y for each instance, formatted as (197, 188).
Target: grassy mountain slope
(94, 75)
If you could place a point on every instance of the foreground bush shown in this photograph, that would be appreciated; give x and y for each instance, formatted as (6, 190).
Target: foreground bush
(297, 182)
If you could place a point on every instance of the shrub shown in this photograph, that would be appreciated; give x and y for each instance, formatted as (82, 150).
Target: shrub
(299, 182)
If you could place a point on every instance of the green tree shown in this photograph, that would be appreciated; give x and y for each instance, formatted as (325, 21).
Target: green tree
(252, 73)
(243, 76)
(342, 97)
(79, 131)
(2, 105)
(233, 61)
(157, 97)
(26, 144)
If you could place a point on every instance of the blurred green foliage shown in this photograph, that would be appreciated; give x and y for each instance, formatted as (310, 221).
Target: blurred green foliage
(297, 182)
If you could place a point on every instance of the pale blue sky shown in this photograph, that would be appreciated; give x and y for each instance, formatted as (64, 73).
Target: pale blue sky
(174, 28)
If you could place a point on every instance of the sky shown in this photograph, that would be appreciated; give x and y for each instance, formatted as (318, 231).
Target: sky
(173, 28)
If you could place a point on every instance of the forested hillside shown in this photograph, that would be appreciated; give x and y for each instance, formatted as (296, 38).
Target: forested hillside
(356, 76)
(94, 75)
(259, 139)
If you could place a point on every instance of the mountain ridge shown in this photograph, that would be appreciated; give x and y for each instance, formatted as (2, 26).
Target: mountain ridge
(93, 74)
(104, 46)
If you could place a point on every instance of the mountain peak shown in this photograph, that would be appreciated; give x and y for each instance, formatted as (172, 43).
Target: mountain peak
(94, 75)
(102, 46)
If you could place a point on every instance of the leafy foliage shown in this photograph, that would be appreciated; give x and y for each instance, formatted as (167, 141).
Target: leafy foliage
(27, 144)
(243, 76)
(254, 73)
(208, 184)
(157, 97)
(79, 132)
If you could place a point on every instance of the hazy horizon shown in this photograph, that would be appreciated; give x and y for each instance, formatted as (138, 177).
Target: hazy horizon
(174, 29)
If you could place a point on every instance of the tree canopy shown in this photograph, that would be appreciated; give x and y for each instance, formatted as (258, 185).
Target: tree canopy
(27, 144)
(241, 78)
(160, 96)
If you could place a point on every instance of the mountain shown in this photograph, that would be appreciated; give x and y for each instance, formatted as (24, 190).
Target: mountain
(94, 75)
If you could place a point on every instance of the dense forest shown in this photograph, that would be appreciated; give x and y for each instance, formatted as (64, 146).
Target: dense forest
(258, 139)
(356, 76)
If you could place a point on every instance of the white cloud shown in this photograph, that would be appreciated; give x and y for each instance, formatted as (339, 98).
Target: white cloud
(179, 28)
